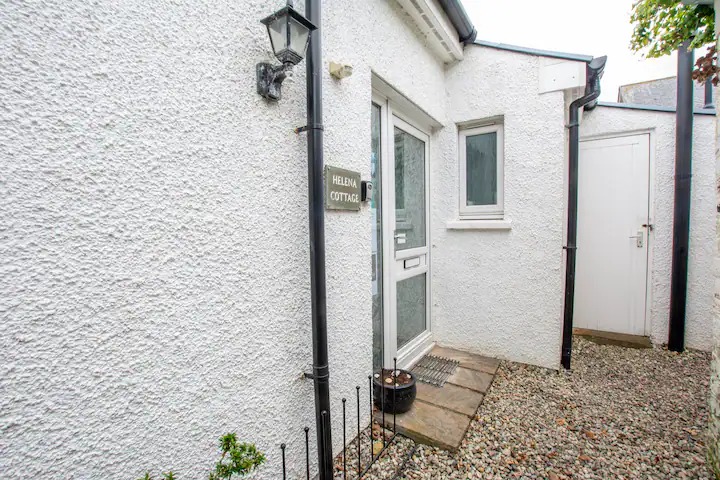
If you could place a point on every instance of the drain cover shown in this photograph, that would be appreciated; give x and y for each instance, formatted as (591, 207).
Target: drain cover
(434, 370)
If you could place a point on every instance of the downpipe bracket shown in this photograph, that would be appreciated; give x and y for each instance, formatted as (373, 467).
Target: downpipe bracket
(305, 128)
(319, 373)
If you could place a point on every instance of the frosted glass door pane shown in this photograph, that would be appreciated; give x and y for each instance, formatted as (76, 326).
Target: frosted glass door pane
(411, 309)
(409, 190)
(481, 155)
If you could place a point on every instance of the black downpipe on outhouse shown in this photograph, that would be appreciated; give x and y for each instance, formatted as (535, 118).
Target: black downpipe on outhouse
(681, 214)
(321, 371)
(594, 71)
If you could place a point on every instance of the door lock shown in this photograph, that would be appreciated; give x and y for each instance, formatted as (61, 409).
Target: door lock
(400, 238)
(639, 238)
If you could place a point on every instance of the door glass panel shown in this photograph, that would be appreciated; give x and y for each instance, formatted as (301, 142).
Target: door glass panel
(411, 309)
(376, 221)
(482, 175)
(409, 191)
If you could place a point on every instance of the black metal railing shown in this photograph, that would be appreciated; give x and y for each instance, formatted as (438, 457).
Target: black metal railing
(388, 437)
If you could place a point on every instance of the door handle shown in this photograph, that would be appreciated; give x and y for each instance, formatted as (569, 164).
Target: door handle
(399, 238)
(638, 239)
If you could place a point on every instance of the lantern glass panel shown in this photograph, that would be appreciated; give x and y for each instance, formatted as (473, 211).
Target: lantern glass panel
(278, 34)
(298, 37)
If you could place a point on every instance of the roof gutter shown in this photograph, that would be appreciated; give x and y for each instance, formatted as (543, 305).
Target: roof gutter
(460, 20)
(594, 71)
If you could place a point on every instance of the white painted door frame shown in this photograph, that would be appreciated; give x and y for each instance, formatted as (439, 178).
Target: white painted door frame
(393, 271)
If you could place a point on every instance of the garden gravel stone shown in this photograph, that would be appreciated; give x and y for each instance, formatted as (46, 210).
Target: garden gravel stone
(620, 413)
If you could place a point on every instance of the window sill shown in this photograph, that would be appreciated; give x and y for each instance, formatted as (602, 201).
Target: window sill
(504, 224)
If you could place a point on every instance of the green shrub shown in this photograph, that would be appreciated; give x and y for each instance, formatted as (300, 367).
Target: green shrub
(235, 459)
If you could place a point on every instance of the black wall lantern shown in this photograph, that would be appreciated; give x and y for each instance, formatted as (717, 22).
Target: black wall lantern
(289, 33)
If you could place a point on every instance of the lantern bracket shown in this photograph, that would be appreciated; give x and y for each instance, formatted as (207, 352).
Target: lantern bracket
(270, 78)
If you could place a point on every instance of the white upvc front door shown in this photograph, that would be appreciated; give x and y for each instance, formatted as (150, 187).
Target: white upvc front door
(404, 168)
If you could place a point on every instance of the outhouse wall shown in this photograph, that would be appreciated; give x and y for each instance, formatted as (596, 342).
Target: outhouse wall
(155, 288)
(609, 120)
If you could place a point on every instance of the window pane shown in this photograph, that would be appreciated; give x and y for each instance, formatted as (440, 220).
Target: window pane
(481, 157)
(411, 309)
(409, 189)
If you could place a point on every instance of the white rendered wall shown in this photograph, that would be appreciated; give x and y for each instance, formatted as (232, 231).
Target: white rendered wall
(714, 414)
(155, 285)
(499, 292)
(607, 120)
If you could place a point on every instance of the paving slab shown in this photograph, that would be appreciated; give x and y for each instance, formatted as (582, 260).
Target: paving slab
(440, 416)
(432, 425)
(472, 379)
(458, 399)
(468, 360)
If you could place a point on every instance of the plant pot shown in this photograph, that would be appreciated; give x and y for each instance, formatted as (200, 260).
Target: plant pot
(397, 399)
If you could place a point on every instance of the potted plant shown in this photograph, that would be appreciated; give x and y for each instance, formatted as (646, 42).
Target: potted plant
(394, 390)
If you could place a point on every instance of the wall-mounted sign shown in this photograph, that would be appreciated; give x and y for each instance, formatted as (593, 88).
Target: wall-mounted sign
(342, 189)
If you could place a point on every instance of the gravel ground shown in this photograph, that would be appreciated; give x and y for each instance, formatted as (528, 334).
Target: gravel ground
(389, 466)
(621, 413)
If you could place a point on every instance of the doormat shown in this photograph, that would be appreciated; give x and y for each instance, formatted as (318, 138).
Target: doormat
(434, 370)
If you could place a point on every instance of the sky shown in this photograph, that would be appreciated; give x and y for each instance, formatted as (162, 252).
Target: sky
(590, 27)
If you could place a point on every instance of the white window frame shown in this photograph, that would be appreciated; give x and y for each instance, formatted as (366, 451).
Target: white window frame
(482, 212)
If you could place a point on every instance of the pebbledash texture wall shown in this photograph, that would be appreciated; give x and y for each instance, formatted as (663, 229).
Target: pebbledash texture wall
(609, 120)
(714, 431)
(499, 291)
(155, 282)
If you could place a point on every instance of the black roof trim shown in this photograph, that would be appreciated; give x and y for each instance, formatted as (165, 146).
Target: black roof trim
(534, 51)
(653, 108)
(460, 19)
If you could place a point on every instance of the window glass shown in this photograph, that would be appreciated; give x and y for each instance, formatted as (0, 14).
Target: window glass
(411, 309)
(409, 189)
(482, 169)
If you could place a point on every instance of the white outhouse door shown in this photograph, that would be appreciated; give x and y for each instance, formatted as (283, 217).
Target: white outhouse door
(613, 229)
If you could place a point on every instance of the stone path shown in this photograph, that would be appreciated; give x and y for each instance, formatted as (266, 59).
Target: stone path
(441, 416)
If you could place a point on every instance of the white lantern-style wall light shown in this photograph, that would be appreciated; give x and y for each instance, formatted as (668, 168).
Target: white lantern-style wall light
(289, 34)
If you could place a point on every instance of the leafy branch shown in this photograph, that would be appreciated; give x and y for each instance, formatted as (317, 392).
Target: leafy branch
(235, 459)
(661, 27)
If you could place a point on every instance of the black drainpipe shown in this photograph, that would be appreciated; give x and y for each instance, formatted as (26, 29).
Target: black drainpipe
(594, 71)
(321, 372)
(681, 220)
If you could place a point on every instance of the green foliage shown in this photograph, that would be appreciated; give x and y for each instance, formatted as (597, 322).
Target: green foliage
(661, 26)
(236, 459)
(713, 457)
